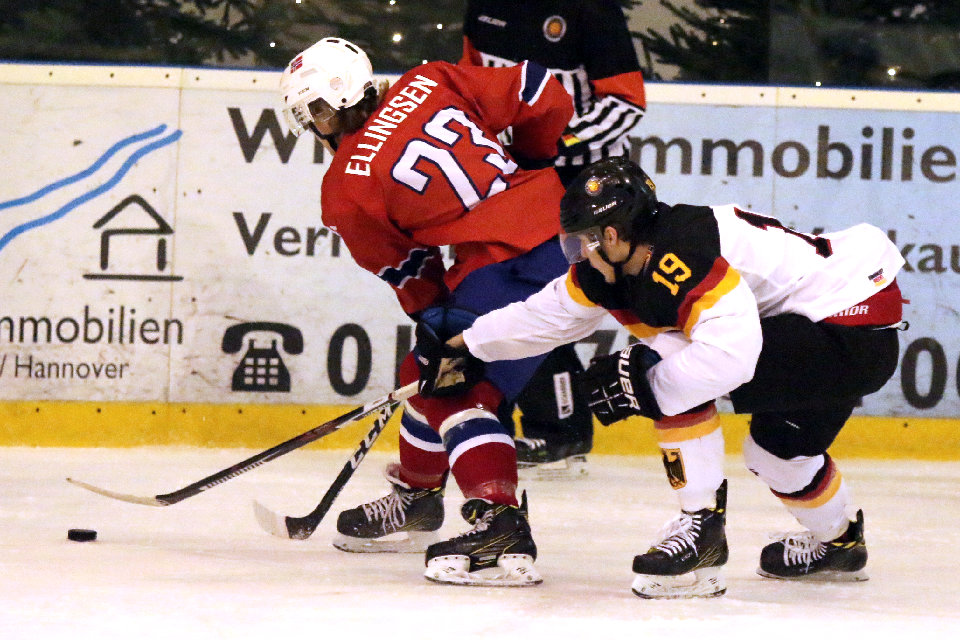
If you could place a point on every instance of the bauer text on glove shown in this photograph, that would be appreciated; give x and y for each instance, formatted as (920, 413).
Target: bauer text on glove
(617, 387)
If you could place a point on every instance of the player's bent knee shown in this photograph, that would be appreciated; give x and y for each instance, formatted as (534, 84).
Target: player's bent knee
(781, 475)
(483, 397)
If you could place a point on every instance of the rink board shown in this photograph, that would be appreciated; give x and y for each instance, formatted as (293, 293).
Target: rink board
(118, 424)
(154, 246)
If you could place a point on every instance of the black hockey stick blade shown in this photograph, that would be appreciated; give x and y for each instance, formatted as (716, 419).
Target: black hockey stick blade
(305, 438)
(301, 528)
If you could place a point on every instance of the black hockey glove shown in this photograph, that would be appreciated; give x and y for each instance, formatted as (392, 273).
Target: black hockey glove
(616, 385)
(444, 370)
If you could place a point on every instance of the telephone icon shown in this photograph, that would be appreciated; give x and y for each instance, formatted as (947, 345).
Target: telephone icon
(262, 368)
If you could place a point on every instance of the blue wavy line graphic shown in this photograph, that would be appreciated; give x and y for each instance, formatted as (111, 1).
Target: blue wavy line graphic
(36, 195)
(93, 193)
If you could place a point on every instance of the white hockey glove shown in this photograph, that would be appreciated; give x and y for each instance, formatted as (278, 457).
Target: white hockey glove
(616, 385)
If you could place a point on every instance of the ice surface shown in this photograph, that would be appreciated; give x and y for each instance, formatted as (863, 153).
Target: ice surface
(204, 569)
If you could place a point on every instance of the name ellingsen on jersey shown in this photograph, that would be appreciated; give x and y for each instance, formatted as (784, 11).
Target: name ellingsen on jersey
(411, 96)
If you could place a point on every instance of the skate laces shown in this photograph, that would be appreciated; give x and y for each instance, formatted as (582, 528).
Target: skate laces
(481, 524)
(800, 547)
(481, 521)
(391, 508)
(679, 534)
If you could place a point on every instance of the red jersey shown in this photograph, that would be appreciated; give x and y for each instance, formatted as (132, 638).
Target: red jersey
(426, 171)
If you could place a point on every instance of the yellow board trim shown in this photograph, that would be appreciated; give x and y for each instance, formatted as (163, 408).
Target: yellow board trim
(863, 437)
(133, 424)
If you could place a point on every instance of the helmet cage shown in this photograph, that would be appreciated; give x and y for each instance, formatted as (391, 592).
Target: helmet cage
(301, 115)
(577, 245)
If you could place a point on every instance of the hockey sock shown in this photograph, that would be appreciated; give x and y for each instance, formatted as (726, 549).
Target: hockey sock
(483, 459)
(423, 458)
(692, 448)
(810, 487)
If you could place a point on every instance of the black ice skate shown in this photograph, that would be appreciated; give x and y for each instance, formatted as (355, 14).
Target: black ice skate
(686, 562)
(538, 459)
(500, 542)
(800, 556)
(404, 521)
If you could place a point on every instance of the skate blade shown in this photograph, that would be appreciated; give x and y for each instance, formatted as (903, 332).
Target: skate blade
(702, 583)
(572, 468)
(512, 570)
(821, 576)
(407, 542)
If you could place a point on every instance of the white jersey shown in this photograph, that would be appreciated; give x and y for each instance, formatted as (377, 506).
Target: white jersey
(813, 276)
(713, 273)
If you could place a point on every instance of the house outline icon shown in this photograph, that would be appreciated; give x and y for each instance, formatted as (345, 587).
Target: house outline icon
(161, 229)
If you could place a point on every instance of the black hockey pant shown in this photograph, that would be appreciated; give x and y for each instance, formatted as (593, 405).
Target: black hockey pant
(809, 378)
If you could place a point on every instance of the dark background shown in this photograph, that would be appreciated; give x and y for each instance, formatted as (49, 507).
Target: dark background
(859, 43)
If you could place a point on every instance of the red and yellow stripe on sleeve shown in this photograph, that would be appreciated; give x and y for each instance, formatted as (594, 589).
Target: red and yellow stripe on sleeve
(627, 318)
(574, 290)
(719, 282)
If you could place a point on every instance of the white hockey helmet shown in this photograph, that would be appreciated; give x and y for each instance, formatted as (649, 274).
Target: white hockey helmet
(331, 75)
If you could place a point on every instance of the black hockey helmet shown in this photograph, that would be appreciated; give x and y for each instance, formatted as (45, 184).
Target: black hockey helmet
(612, 192)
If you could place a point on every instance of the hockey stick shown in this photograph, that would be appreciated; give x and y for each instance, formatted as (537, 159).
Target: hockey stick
(301, 528)
(166, 499)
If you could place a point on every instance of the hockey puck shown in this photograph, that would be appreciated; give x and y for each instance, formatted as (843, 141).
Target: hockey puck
(82, 535)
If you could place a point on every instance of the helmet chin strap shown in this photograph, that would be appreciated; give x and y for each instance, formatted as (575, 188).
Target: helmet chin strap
(330, 138)
(618, 266)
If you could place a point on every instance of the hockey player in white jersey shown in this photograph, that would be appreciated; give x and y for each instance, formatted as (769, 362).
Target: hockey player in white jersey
(795, 328)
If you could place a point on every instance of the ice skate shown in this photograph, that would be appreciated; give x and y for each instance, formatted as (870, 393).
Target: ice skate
(800, 556)
(498, 552)
(687, 561)
(404, 521)
(538, 459)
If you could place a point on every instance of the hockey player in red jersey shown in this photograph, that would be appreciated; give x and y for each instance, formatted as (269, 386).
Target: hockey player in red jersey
(587, 46)
(796, 328)
(417, 167)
